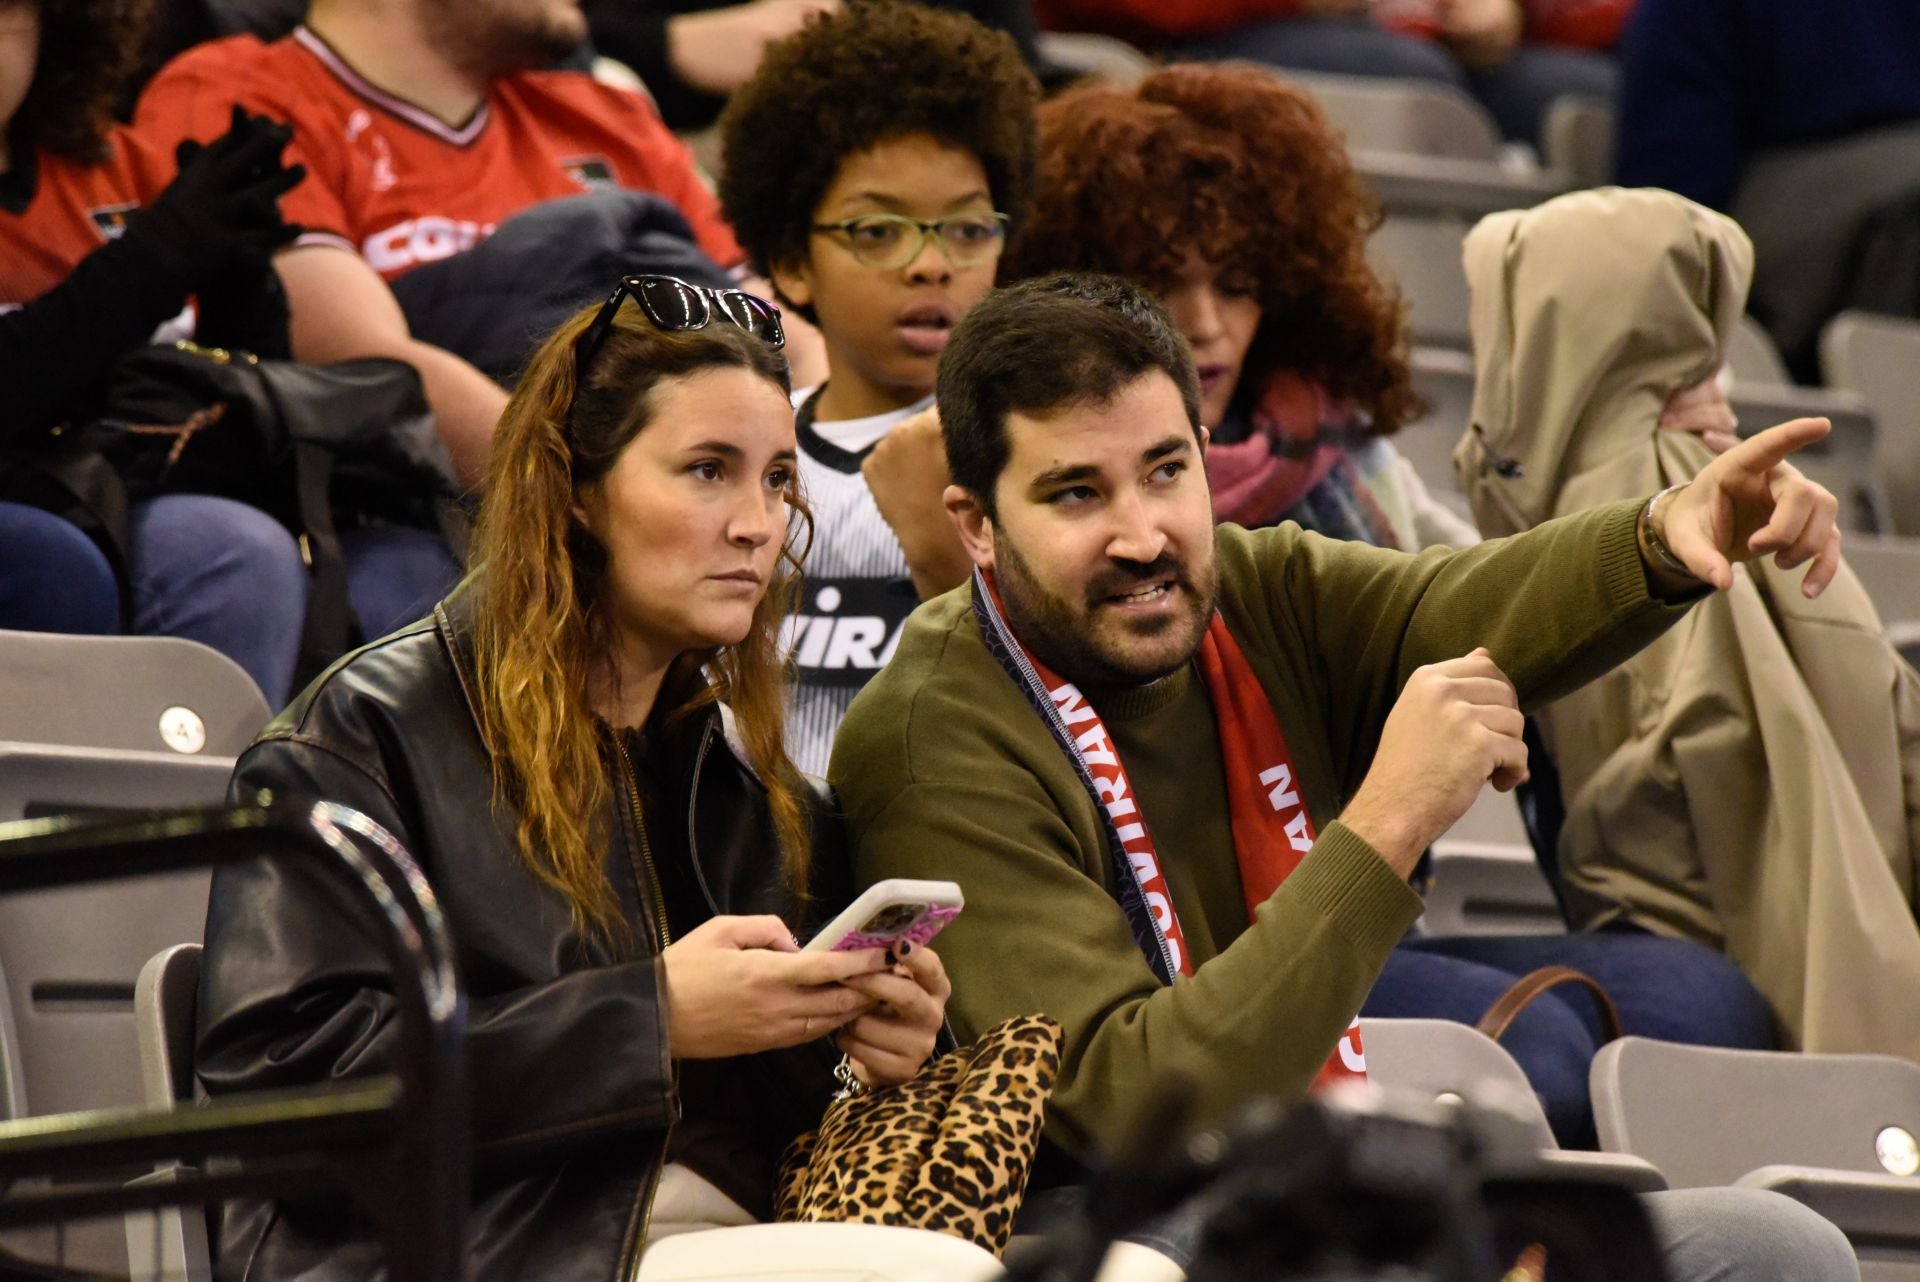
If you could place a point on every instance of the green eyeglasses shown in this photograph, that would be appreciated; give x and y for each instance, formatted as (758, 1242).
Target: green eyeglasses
(890, 241)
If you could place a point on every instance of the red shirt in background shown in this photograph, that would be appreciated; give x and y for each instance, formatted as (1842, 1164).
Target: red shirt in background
(400, 187)
(1583, 24)
(75, 209)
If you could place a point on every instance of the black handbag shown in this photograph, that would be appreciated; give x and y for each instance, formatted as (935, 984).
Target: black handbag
(311, 445)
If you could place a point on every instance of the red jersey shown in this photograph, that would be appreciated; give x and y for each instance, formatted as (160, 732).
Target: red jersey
(75, 208)
(1580, 24)
(401, 187)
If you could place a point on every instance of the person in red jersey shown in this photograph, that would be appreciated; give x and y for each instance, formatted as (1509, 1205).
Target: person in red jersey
(425, 124)
(100, 245)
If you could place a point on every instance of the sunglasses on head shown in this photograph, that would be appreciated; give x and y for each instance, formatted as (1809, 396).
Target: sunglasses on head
(674, 304)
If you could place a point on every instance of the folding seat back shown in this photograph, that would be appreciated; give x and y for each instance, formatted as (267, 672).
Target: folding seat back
(1419, 118)
(1889, 568)
(1878, 357)
(1420, 254)
(171, 1245)
(1840, 1133)
(1440, 1059)
(102, 724)
(1753, 356)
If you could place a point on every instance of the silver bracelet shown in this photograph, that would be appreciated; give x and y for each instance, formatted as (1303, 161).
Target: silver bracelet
(851, 1087)
(1656, 542)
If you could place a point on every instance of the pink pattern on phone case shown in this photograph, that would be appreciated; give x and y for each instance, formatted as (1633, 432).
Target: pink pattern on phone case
(920, 932)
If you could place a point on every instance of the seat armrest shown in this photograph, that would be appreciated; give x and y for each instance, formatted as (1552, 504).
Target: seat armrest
(1635, 1174)
(1871, 1208)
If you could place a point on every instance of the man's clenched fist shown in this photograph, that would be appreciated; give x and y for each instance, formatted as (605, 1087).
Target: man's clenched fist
(1454, 729)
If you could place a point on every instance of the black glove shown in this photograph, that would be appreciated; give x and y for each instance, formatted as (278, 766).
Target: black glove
(219, 219)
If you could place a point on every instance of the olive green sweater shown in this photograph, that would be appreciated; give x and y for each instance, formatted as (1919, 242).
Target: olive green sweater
(946, 771)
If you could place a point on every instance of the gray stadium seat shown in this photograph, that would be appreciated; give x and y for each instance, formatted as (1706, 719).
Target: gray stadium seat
(95, 723)
(1753, 357)
(98, 723)
(1578, 136)
(1429, 149)
(1443, 379)
(115, 692)
(1836, 1132)
(1084, 54)
(13, 1096)
(1889, 568)
(1879, 358)
(1440, 1059)
(170, 1245)
(1419, 118)
(1420, 253)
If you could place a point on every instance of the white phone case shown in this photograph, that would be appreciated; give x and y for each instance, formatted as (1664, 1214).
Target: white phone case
(889, 911)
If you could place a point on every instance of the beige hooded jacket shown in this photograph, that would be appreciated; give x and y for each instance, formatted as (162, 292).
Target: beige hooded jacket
(1752, 779)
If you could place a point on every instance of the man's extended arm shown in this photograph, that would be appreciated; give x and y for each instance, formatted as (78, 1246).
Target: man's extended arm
(1550, 610)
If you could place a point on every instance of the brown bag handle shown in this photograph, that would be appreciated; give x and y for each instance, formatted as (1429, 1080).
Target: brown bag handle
(1507, 1007)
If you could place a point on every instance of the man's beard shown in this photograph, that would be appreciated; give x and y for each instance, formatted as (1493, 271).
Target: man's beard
(1088, 644)
(492, 38)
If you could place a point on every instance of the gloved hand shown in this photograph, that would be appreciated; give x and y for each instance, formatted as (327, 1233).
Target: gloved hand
(220, 217)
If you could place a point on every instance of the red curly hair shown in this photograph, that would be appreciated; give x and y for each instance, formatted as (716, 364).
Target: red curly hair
(1228, 163)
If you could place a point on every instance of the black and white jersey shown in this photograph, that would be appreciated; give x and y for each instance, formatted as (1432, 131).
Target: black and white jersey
(858, 592)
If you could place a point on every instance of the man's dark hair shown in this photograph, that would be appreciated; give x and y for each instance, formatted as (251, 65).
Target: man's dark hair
(1042, 345)
(848, 82)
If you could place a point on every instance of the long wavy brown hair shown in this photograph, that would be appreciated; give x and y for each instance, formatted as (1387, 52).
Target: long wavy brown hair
(1228, 163)
(541, 618)
(89, 52)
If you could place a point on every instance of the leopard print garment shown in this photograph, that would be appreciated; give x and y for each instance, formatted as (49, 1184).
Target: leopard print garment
(950, 1150)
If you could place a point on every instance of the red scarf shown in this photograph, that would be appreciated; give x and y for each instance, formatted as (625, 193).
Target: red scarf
(1272, 830)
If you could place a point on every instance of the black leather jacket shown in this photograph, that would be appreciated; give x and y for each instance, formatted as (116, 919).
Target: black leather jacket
(573, 1087)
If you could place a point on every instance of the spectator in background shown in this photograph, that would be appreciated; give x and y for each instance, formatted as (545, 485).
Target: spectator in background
(693, 53)
(1803, 122)
(1515, 56)
(1751, 780)
(424, 124)
(1227, 194)
(100, 245)
(872, 166)
(97, 251)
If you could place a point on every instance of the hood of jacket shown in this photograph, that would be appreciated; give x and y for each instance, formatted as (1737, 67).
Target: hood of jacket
(1588, 312)
(1750, 780)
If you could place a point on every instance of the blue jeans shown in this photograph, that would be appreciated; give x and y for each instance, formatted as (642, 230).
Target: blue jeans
(52, 577)
(224, 574)
(1518, 92)
(395, 574)
(214, 571)
(1671, 989)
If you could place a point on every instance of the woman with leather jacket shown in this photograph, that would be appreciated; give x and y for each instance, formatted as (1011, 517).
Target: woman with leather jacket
(582, 748)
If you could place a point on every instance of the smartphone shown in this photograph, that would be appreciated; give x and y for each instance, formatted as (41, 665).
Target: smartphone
(888, 912)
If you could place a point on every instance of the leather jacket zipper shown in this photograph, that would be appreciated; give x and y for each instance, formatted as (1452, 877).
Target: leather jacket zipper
(663, 936)
(693, 833)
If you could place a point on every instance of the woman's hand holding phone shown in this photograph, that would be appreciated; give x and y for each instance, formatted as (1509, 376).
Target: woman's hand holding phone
(739, 985)
(890, 1041)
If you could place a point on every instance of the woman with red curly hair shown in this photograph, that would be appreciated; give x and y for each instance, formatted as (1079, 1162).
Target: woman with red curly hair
(1230, 196)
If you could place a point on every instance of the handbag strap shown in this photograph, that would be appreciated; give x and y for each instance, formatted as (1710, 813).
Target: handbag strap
(1507, 1007)
(330, 629)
